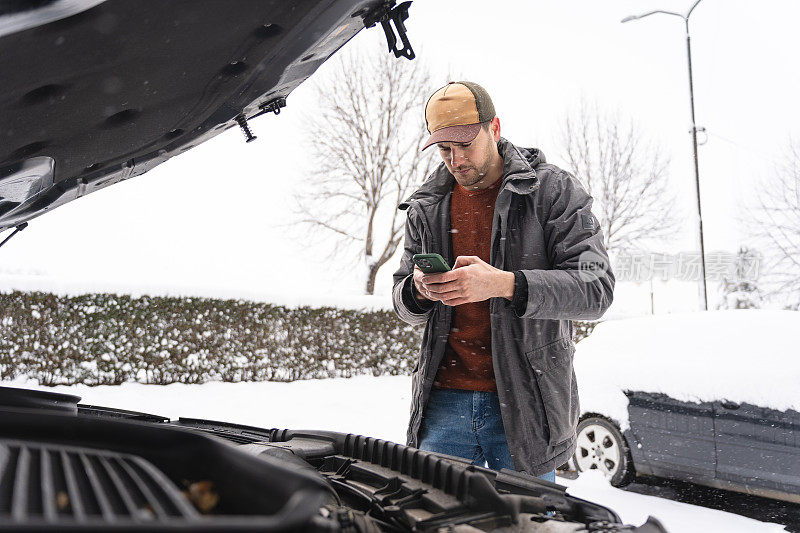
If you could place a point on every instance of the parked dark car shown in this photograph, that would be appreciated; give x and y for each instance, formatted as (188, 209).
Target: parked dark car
(709, 398)
(95, 92)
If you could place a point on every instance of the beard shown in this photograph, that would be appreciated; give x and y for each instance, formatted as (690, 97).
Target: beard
(473, 175)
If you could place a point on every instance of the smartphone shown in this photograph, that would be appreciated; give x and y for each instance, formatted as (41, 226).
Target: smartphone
(431, 263)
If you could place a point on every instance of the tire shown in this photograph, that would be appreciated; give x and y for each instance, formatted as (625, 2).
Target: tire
(602, 447)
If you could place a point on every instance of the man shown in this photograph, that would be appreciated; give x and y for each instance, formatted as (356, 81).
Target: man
(494, 378)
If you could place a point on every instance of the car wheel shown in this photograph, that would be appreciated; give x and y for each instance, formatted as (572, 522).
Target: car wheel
(602, 447)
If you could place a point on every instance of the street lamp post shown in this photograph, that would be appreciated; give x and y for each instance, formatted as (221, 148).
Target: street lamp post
(693, 131)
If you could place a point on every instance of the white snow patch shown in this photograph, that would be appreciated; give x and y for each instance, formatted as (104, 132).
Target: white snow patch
(366, 405)
(634, 508)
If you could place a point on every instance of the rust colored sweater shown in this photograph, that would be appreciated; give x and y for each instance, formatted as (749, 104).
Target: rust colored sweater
(467, 361)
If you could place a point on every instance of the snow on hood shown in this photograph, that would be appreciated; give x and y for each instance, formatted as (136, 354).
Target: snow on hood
(744, 356)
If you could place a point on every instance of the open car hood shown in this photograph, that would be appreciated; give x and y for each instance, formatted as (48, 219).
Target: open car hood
(95, 92)
(66, 466)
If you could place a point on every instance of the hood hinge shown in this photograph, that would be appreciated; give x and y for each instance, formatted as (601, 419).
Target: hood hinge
(386, 14)
(16, 230)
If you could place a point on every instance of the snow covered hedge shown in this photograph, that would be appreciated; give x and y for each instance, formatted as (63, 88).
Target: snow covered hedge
(99, 339)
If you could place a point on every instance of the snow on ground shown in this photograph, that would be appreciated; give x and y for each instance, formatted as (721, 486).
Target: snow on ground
(676, 517)
(378, 407)
(744, 355)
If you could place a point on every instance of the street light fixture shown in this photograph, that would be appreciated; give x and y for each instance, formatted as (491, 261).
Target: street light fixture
(693, 131)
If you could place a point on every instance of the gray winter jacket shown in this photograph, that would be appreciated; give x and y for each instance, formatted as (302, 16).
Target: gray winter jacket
(543, 226)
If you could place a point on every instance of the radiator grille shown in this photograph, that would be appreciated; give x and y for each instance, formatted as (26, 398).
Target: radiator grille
(48, 483)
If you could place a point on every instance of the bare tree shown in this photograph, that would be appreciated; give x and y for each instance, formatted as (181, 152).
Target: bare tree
(775, 222)
(366, 154)
(626, 176)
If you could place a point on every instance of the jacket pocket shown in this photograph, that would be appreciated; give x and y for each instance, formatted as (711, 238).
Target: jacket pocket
(552, 366)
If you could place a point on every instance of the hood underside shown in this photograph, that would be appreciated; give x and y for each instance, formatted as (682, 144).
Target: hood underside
(96, 92)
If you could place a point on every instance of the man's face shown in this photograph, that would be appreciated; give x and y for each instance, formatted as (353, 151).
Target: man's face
(469, 162)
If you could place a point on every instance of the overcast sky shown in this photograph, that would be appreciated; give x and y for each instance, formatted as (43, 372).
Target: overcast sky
(214, 216)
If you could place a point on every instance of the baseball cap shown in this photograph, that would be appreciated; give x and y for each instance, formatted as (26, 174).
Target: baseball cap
(454, 113)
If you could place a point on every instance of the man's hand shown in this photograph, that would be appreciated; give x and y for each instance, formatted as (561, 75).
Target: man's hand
(471, 280)
(419, 294)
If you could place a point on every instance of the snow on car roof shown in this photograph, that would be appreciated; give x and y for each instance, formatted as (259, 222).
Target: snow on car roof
(743, 355)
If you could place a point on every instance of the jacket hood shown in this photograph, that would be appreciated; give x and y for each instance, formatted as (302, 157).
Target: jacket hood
(519, 175)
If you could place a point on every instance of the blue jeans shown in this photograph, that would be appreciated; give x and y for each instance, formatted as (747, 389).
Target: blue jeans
(467, 424)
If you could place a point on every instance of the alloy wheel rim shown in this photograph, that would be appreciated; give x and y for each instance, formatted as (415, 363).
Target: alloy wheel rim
(598, 450)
